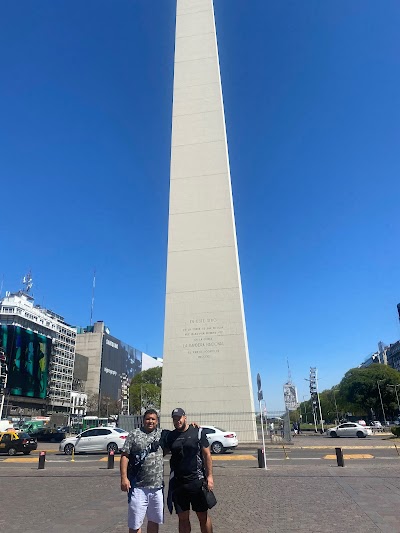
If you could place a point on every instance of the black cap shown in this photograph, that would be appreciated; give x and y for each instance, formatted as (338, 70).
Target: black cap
(178, 411)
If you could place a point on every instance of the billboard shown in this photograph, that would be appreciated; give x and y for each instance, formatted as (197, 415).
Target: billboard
(28, 355)
(290, 396)
(117, 359)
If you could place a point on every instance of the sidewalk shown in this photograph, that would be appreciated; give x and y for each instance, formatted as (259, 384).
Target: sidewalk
(285, 498)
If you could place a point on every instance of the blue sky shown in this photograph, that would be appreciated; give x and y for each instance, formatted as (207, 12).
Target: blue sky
(312, 105)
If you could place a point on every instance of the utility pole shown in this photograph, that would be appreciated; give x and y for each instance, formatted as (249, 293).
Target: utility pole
(380, 396)
(315, 397)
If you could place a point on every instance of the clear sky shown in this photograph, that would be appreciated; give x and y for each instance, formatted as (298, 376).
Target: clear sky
(312, 104)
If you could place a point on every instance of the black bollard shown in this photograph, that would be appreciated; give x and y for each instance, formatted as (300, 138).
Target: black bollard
(110, 463)
(42, 460)
(339, 456)
(261, 458)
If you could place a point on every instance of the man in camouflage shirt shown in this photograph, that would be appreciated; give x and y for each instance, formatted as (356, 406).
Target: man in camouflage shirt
(141, 469)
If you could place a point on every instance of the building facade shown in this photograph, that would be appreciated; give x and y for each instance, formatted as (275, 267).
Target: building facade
(110, 361)
(40, 350)
(393, 355)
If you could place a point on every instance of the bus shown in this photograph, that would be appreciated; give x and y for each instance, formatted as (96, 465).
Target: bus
(87, 422)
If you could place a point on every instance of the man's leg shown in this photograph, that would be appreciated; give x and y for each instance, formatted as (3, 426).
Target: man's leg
(205, 522)
(184, 522)
(155, 510)
(152, 527)
(137, 508)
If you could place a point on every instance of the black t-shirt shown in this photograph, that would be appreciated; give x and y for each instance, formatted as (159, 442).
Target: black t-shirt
(186, 455)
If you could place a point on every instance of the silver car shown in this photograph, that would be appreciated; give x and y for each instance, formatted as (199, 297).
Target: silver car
(95, 440)
(349, 429)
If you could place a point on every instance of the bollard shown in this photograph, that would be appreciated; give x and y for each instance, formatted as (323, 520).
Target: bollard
(42, 459)
(339, 456)
(284, 451)
(110, 463)
(261, 458)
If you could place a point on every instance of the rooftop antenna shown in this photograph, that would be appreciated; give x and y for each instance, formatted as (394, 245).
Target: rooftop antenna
(93, 287)
(27, 282)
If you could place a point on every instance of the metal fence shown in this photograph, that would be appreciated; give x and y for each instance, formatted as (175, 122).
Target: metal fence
(241, 423)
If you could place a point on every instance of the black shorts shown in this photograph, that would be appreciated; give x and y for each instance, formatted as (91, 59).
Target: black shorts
(188, 495)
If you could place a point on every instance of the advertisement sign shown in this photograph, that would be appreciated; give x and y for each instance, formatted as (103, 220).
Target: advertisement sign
(290, 396)
(117, 359)
(28, 355)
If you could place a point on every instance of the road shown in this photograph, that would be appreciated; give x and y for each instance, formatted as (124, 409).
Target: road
(306, 492)
(317, 449)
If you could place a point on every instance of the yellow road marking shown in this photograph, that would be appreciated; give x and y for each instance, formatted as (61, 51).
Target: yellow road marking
(234, 458)
(21, 460)
(352, 456)
(343, 447)
(116, 458)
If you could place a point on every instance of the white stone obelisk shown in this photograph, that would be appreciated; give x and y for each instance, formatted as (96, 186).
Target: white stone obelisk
(206, 362)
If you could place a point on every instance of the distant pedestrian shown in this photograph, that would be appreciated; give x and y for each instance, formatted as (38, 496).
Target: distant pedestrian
(282, 428)
(271, 428)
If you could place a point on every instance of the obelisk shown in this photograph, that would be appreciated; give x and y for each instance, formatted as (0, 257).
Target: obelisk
(206, 362)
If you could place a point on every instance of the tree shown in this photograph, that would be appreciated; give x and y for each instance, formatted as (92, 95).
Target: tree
(92, 404)
(359, 388)
(145, 390)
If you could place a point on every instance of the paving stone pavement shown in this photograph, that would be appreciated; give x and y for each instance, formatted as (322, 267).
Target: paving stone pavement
(285, 498)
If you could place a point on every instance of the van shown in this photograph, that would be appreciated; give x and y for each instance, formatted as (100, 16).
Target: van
(5, 425)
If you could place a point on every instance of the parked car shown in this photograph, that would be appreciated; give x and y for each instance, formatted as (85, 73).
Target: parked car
(220, 440)
(48, 435)
(12, 442)
(102, 439)
(349, 429)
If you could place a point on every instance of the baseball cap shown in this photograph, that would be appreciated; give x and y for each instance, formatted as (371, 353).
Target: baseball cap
(178, 411)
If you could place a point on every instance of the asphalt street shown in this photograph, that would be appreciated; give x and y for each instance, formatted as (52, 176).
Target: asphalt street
(306, 492)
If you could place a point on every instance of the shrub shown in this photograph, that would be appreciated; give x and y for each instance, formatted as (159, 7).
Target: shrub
(396, 431)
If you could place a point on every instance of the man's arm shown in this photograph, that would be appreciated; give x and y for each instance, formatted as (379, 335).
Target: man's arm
(123, 469)
(208, 467)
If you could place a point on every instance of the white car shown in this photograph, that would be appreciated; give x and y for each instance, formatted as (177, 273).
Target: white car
(220, 440)
(349, 429)
(102, 439)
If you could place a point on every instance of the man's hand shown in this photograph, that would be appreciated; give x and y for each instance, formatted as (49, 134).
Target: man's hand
(154, 446)
(195, 425)
(125, 484)
(210, 483)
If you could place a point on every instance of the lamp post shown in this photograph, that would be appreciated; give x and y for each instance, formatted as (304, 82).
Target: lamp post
(334, 399)
(380, 396)
(397, 395)
(305, 407)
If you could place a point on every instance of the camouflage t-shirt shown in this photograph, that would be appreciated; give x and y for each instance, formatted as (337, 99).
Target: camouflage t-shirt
(150, 475)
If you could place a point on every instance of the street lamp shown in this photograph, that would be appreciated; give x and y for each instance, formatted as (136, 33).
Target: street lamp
(305, 407)
(380, 396)
(397, 395)
(334, 399)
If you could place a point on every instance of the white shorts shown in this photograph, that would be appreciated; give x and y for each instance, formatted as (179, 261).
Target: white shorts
(150, 501)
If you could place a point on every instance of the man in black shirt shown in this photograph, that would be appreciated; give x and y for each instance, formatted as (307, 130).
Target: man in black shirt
(191, 468)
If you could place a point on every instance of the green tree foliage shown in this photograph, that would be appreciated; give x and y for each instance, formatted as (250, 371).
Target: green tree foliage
(359, 388)
(145, 390)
